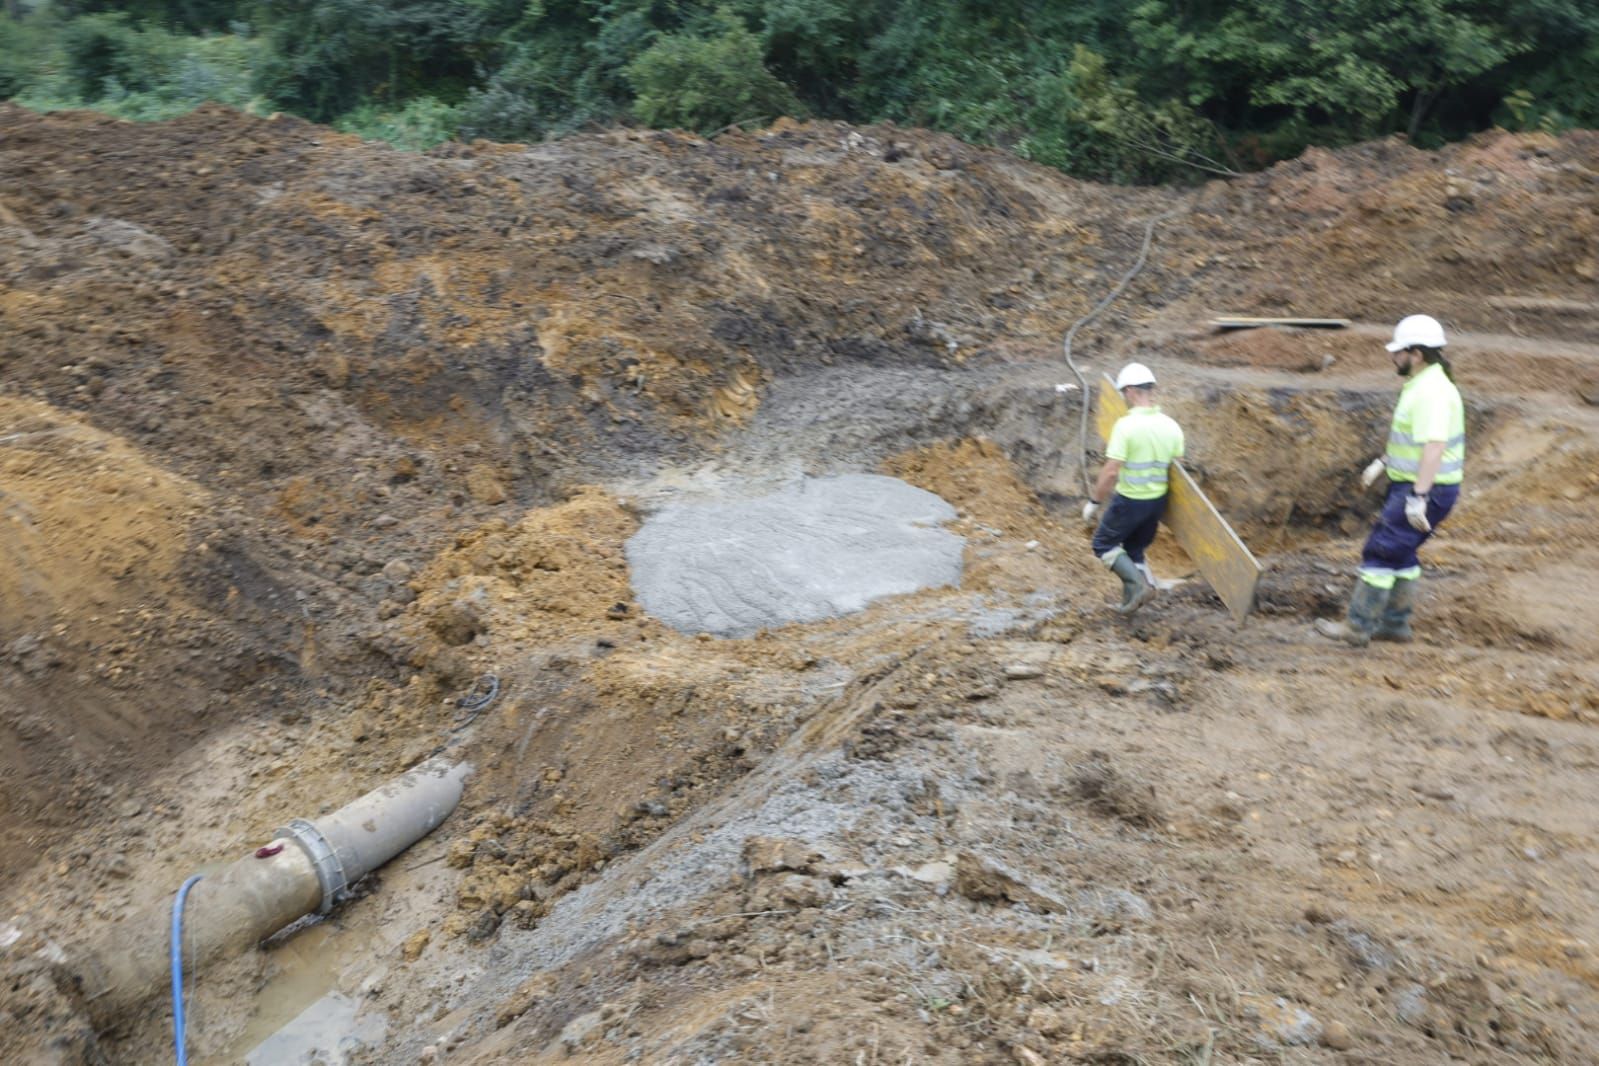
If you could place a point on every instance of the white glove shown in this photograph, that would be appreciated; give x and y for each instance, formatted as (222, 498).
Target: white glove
(1372, 472)
(1090, 509)
(1416, 513)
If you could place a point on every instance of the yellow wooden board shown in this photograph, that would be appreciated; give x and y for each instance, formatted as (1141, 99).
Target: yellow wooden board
(1221, 556)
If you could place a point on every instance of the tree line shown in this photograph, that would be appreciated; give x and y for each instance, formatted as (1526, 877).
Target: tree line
(1121, 90)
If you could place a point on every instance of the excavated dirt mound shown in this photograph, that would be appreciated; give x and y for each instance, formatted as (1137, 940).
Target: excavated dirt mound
(301, 438)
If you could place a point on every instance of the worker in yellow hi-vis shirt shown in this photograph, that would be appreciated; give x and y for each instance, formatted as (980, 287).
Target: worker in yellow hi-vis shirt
(1425, 462)
(1138, 460)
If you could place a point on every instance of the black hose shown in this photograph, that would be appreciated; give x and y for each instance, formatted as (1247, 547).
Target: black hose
(1082, 383)
(485, 692)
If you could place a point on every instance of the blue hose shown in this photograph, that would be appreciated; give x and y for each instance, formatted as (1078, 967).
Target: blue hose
(179, 1035)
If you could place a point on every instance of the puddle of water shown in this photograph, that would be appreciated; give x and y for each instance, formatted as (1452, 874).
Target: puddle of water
(298, 1017)
(325, 1033)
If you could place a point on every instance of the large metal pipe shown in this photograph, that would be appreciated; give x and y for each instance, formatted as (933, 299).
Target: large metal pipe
(307, 868)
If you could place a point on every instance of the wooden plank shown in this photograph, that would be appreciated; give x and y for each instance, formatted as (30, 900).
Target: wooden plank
(1221, 556)
(1242, 322)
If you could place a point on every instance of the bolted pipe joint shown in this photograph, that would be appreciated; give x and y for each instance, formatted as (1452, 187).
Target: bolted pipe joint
(270, 888)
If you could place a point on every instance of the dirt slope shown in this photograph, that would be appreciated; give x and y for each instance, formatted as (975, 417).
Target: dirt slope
(300, 436)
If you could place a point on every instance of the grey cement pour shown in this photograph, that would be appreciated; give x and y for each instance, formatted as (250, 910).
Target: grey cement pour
(818, 549)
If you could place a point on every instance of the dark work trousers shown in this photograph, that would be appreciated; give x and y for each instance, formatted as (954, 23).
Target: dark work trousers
(1129, 525)
(1391, 548)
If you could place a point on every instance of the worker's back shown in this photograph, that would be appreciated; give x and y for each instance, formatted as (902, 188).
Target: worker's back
(1145, 441)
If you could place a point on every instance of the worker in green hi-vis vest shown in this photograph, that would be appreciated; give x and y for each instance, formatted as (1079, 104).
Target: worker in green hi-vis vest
(1138, 456)
(1425, 463)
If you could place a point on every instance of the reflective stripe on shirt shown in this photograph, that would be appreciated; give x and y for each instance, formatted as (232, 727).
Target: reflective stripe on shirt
(1145, 442)
(1396, 437)
(1429, 411)
(1413, 466)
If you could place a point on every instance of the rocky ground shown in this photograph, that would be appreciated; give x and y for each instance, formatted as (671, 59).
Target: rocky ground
(300, 437)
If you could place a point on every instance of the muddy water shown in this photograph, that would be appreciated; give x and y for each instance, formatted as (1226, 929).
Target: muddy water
(301, 1015)
(325, 1032)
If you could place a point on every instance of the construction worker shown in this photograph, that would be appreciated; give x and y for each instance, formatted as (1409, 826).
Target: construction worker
(1138, 458)
(1425, 461)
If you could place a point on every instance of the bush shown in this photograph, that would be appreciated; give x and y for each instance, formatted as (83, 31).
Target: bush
(107, 56)
(705, 84)
(499, 113)
(108, 63)
(328, 57)
(19, 57)
(551, 84)
(1558, 95)
(422, 123)
(1129, 138)
(1150, 90)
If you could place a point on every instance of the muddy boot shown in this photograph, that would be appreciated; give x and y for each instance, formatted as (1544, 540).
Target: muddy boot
(1366, 605)
(1395, 623)
(1135, 590)
(1149, 576)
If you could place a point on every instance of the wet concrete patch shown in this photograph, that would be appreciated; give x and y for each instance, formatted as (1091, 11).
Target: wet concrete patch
(821, 548)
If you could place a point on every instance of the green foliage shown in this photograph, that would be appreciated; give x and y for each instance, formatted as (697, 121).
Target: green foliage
(705, 83)
(328, 57)
(1362, 67)
(813, 45)
(106, 55)
(1017, 75)
(1555, 85)
(111, 63)
(1129, 139)
(24, 47)
(1561, 97)
(422, 123)
(556, 73)
(1151, 90)
(182, 16)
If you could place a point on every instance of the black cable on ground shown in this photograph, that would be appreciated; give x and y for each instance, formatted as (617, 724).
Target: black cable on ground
(485, 692)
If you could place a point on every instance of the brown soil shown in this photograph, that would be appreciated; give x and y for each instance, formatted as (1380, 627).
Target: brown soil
(300, 437)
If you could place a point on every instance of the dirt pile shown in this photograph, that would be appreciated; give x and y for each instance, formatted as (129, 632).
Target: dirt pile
(303, 439)
(123, 626)
(1373, 231)
(358, 353)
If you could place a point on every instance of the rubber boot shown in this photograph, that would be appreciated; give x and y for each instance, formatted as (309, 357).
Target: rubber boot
(1366, 606)
(1149, 576)
(1395, 623)
(1135, 590)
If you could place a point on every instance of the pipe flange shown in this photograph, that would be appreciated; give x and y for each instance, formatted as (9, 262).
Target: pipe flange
(324, 860)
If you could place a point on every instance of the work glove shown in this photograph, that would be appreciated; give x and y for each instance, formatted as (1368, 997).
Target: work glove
(1090, 512)
(1372, 472)
(1416, 513)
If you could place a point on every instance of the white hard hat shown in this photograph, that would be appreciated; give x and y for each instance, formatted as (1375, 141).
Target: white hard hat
(1134, 374)
(1417, 331)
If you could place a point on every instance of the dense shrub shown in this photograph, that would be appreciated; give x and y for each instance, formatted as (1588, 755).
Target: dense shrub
(115, 64)
(422, 123)
(705, 83)
(1130, 90)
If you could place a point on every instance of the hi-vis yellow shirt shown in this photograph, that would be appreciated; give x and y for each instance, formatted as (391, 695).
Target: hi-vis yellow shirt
(1429, 410)
(1146, 442)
